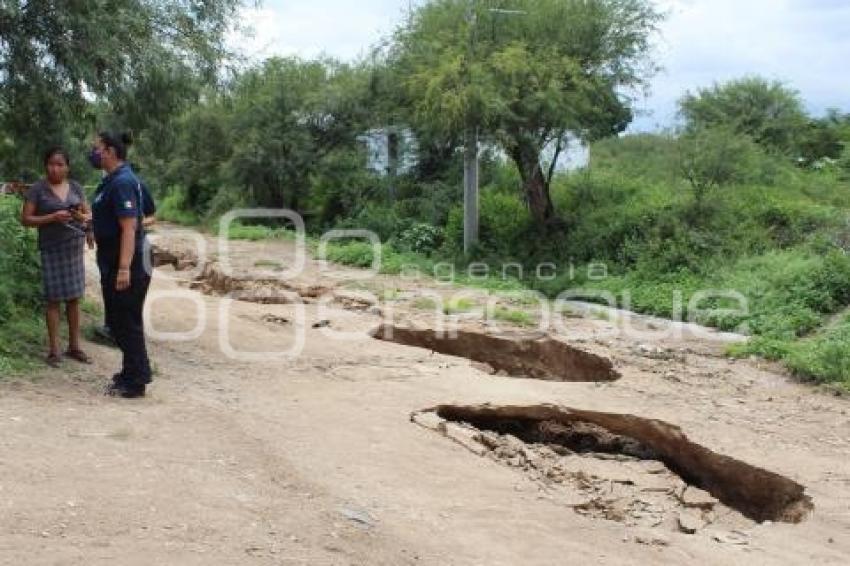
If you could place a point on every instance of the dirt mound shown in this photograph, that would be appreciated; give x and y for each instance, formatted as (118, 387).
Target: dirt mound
(756, 493)
(543, 358)
(264, 290)
(181, 260)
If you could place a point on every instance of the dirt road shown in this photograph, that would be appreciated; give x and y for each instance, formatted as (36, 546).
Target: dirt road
(238, 457)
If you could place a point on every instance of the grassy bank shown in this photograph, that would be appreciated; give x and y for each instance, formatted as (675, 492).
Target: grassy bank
(21, 324)
(765, 254)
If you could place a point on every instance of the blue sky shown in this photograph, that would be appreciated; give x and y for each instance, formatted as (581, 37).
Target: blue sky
(804, 43)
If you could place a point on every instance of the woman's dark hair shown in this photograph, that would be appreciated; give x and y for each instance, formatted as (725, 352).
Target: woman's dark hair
(118, 142)
(57, 150)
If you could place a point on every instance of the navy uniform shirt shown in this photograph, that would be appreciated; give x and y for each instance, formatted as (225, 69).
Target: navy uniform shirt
(148, 204)
(118, 195)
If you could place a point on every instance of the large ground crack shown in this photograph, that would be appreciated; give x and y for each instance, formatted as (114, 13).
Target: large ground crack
(535, 437)
(544, 358)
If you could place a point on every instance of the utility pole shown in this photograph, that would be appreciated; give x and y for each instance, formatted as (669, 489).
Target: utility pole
(470, 188)
(470, 151)
(392, 163)
(470, 155)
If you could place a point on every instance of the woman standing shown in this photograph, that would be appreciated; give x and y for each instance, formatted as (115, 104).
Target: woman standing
(57, 206)
(124, 274)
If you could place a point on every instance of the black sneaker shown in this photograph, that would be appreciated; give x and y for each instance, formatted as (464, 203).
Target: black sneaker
(133, 391)
(125, 390)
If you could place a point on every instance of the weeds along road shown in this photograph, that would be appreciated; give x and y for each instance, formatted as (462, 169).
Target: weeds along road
(239, 456)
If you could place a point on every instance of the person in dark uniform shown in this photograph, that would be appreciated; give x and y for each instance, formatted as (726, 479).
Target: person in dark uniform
(124, 274)
(104, 333)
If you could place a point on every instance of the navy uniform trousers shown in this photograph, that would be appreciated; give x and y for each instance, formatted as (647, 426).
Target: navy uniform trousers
(124, 312)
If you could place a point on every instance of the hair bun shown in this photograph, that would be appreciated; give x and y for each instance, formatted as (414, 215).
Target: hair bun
(127, 138)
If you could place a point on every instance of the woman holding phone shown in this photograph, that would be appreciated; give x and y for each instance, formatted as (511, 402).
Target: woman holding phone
(57, 206)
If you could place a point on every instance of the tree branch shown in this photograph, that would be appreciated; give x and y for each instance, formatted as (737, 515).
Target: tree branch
(559, 147)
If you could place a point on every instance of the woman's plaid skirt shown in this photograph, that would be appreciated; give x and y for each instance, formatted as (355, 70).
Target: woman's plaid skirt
(63, 270)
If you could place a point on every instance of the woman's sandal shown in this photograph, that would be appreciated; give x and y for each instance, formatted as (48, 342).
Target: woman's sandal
(79, 356)
(53, 360)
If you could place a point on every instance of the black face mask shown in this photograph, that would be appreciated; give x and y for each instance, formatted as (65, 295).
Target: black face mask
(95, 158)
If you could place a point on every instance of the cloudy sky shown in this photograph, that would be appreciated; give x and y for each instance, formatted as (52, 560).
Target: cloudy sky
(804, 43)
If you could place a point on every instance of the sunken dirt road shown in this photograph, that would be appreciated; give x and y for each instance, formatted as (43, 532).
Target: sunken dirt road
(383, 443)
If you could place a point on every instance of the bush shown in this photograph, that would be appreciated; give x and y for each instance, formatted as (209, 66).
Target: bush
(420, 238)
(504, 226)
(174, 207)
(380, 219)
(714, 157)
(823, 359)
(21, 328)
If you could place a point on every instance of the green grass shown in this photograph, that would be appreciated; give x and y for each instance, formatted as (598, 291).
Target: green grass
(255, 233)
(91, 308)
(458, 305)
(425, 304)
(22, 343)
(275, 265)
(513, 316)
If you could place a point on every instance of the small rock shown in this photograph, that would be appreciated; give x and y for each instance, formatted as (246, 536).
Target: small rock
(359, 516)
(466, 437)
(274, 319)
(531, 456)
(322, 324)
(429, 420)
(731, 538)
(654, 467)
(490, 439)
(689, 523)
(653, 540)
(513, 444)
(697, 498)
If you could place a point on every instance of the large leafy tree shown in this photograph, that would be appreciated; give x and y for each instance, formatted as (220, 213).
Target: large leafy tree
(527, 73)
(766, 111)
(288, 115)
(57, 57)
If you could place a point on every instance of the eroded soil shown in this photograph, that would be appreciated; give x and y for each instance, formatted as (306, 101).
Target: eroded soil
(244, 455)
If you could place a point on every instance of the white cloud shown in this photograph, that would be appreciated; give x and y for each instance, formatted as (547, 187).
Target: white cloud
(801, 42)
(337, 28)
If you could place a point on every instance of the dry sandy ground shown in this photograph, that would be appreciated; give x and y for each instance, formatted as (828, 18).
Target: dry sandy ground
(314, 459)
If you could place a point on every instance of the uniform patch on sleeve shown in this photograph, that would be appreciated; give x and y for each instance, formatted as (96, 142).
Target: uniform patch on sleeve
(128, 204)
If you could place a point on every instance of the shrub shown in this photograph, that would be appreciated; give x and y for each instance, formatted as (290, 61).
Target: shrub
(21, 329)
(420, 238)
(174, 207)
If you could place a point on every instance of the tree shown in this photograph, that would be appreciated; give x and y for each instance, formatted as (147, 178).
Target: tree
(55, 57)
(768, 112)
(825, 137)
(287, 115)
(526, 73)
(713, 157)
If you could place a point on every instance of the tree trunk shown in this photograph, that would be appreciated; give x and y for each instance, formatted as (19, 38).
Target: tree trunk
(535, 186)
